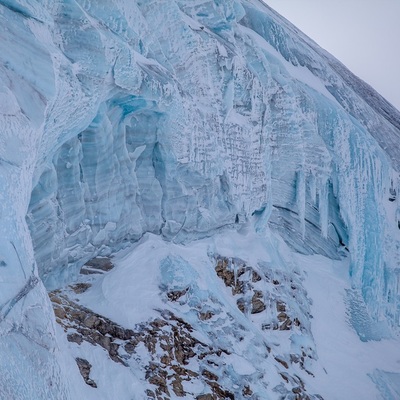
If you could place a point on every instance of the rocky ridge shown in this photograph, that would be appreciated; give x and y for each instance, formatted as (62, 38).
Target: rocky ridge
(175, 358)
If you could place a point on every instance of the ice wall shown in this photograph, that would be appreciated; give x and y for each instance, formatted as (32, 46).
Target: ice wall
(181, 118)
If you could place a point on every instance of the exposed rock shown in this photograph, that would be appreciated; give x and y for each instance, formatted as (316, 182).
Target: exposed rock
(177, 386)
(247, 391)
(297, 390)
(257, 305)
(244, 283)
(283, 362)
(91, 321)
(172, 352)
(97, 265)
(79, 288)
(169, 334)
(174, 295)
(84, 368)
(241, 303)
(89, 271)
(280, 306)
(255, 277)
(59, 312)
(89, 326)
(224, 273)
(130, 348)
(286, 325)
(206, 397)
(284, 376)
(101, 263)
(150, 394)
(74, 338)
(203, 316)
(209, 375)
(219, 392)
(282, 316)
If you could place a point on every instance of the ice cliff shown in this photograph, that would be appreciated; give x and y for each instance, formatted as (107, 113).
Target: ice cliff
(182, 119)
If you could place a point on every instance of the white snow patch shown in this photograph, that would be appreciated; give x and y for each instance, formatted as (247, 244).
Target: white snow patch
(345, 359)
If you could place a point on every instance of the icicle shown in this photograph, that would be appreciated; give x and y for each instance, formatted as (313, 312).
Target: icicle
(301, 200)
(397, 186)
(312, 185)
(323, 206)
(335, 184)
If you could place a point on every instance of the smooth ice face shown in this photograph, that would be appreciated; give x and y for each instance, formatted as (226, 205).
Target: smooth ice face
(182, 118)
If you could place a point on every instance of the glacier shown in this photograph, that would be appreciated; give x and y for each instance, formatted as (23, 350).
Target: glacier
(181, 121)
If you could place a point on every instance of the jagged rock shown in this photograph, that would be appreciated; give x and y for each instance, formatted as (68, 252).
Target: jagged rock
(282, 316)
(247, 391)
(79, 288)
(230, 271)
(219, 392)
(176, 294)
(89, 271)
(257, 305)
(74, 338)
(280, 306)
(101, 263)
(206, 397)
(204, 316)
(60, 312)
(286, 325)
(297, 390)
(241, 303)
(84, 368)
(150, 394)
(209, 375)
(255, 277)
(224, 273)
(90, 321)
(177, 386)
(91, 327)
(54, 298)
(284, 376)
(294, 358)
(283, 362)
(168, 340)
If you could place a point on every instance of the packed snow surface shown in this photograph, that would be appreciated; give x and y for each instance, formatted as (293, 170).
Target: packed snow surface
(344, 364)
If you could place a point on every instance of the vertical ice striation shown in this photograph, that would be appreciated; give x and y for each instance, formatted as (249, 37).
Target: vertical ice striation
(27, 346)
(179, 118)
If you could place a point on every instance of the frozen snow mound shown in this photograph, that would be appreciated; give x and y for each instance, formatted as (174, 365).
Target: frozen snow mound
(181, 118)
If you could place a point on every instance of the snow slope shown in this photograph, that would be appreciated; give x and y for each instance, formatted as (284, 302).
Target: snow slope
(338, 364)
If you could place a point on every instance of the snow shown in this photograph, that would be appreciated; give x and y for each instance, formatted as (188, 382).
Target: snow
(347, 362)
(118, 381)
(241, 365)
(345, 367)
